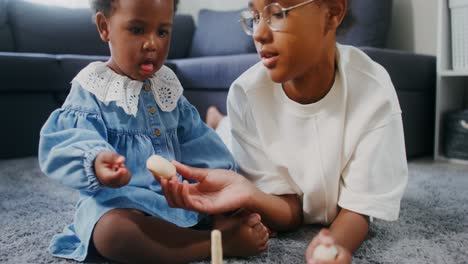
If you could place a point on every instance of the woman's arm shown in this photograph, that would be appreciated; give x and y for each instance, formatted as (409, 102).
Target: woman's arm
(349, 229)
(347, 232)
(278, 212)
(220, 191)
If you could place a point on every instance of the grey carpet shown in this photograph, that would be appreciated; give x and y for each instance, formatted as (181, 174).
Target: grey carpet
(433, 224)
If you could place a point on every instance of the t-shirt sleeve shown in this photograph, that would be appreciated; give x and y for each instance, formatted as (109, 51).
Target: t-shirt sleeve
(375, 178)
(251, 157)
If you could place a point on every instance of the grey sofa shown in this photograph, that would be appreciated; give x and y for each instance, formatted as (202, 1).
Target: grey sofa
(42, 48)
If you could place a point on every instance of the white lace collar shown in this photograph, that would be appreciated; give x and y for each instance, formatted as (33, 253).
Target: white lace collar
(109, 86)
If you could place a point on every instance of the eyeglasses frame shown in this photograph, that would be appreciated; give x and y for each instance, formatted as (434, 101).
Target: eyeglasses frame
(267, 21)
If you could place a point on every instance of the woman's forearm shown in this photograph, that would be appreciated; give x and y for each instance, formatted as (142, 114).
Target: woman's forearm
(350, 229)
(280, 213)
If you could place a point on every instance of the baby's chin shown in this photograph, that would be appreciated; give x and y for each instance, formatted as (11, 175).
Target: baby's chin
(142, 79)
(138, 76)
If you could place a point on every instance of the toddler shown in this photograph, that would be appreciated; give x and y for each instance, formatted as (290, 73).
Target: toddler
(117, 114)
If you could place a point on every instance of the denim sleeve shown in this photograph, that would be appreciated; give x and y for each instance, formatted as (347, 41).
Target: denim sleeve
(200, 146)
(69, 142)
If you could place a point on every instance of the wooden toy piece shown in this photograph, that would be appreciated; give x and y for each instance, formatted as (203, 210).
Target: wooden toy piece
(160, 167)
(325, 253)
(216, 247)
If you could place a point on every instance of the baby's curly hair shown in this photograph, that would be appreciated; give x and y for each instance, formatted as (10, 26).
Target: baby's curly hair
(105, 6)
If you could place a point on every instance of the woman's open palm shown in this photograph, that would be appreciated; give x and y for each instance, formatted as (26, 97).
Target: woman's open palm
(216, 191)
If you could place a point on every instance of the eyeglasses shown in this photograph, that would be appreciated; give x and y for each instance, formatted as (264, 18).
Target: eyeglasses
(273, 14)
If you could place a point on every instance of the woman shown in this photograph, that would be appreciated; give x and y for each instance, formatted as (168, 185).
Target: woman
(315, 128)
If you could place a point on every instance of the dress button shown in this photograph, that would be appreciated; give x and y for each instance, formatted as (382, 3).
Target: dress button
(152, 110)
(147, 87)
(157, 132)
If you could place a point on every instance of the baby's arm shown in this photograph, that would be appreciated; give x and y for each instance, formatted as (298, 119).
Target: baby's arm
(200, 146)
(71, 140)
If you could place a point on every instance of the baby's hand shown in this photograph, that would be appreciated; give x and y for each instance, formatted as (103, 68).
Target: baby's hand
(110, 169)
(327, 244)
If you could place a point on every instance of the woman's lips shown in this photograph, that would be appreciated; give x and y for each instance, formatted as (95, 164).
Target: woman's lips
(270, 61)
(269, 58)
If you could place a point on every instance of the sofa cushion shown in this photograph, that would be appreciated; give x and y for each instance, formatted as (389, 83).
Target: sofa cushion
(22, 119)
(6, 43)
(57, 30)
(181, 39)
(28, 72)
(73, 64)
(367, 24)
(219, 33)
(213, 72)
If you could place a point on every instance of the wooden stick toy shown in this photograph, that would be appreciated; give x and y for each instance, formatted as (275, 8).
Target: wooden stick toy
(216, 247)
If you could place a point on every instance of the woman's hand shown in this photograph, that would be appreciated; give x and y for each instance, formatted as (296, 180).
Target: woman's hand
(216, 191)
(110, 169)
(325, 238)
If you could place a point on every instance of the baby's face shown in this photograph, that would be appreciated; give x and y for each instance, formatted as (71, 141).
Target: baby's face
(139, 36)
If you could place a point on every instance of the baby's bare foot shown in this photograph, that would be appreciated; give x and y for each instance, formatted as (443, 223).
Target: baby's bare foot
(247, 237)
(213, 116)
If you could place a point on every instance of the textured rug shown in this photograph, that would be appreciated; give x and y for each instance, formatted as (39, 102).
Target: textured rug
(433, 224)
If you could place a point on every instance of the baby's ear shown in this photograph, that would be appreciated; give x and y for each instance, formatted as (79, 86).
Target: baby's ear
(102, 26)
(336, 13)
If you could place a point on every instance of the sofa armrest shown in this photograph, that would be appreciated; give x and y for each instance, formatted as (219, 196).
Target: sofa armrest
(409, 71)
(414, 78)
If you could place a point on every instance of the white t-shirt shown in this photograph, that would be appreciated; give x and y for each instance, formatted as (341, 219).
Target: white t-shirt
(345, 150)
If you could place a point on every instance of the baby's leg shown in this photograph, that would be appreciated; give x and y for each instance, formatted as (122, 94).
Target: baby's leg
(242, 235)
(129, 236)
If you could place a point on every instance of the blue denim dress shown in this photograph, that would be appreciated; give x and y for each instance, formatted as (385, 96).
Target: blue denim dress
(88, 124)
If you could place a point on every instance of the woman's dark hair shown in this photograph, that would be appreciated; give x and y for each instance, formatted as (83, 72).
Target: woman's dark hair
(348, 21)
(105, 6)
(349, 18)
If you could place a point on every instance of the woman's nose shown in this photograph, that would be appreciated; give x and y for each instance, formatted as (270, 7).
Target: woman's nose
(262, 33)
(150, 44)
